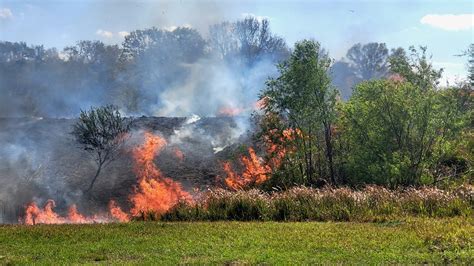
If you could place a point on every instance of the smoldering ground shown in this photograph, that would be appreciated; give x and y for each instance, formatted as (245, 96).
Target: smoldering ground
(41, 161)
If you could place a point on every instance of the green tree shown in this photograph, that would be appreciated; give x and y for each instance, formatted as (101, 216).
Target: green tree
(470, 64)
(392, 131)
(405, 131)
(303, 100)
(369, 61)
(469, 53)
(101, 131)
(415, 67)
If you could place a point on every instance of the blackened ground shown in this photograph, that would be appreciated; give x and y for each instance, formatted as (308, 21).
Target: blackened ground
(40, 160)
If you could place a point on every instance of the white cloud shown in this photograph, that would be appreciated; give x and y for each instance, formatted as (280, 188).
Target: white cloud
(104, 33)
(259, 18)
(449, 21)
(123, 34)
(5, 14)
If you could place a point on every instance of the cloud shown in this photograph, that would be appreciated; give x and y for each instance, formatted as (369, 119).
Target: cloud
(5, 14)
(259, 18)
(449, 22)
(123, 34)
(104, 34)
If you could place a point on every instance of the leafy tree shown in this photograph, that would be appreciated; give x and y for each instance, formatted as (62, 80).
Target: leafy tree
(369, 61)
(415, 67)
(101, 131)
(470, 64)
(304, 102)
(455, 148)
(392, 131)
(404, 131)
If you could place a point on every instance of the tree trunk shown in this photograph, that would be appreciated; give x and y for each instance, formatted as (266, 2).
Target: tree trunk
(95, 178)
(327, 134)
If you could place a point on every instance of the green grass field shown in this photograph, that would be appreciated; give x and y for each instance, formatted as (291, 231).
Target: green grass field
(408, 241)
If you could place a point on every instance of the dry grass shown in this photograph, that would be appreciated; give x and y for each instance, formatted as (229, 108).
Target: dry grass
(372, 203)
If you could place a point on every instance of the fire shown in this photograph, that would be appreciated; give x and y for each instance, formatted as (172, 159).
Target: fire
(46, 215)
(179, 154)
(154, 193)
(247, 109)
(75, 216)
(230, 111)
(260, 104)
(276, 147)
(117, 212)
(35, 215)
(255, 172)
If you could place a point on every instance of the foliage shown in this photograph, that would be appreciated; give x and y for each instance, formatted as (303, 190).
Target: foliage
(416, 67)
(101, 131)
(470, 64)
(369, 61)
(302, 100)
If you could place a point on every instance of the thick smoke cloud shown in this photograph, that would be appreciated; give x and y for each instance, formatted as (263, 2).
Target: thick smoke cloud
(154, 72)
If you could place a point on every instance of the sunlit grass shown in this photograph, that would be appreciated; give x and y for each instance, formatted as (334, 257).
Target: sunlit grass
(399, 241)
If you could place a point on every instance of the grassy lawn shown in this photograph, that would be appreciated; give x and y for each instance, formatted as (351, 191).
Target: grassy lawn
(409, 241)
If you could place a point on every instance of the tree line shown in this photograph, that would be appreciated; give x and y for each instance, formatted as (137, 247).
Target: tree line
(398, 129)
(375, 116)
(39, 81)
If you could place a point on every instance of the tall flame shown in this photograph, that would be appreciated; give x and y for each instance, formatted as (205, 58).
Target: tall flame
(154, 193)
(256, 170)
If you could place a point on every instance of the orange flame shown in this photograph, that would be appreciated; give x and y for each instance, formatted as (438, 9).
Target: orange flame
(255, 172)
(230, 111)
(277, 150)
(75, 216)
(154, 193)
(261, 104)
(117, 212)
(35, 215)
(179, 154)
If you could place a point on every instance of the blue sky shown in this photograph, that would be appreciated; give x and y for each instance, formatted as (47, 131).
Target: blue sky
(446, 27)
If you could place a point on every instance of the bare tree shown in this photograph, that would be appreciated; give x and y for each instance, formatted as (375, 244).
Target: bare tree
(249, 39)
(101, 131)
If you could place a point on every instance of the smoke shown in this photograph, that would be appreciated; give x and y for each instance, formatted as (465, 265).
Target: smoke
(170, 73)
(213, 85)
(40, 160)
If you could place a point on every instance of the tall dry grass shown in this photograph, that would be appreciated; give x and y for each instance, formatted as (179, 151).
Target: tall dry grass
(371, 203)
